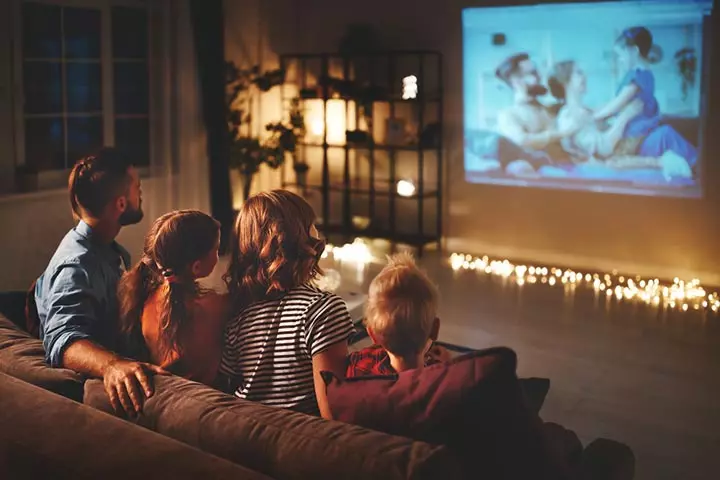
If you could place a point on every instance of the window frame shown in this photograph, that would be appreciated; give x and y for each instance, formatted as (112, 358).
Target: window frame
(158, 13)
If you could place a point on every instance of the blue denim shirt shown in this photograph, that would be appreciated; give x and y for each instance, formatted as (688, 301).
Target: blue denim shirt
(76, 295)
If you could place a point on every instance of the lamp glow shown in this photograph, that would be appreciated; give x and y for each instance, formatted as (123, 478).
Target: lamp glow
(357, 252)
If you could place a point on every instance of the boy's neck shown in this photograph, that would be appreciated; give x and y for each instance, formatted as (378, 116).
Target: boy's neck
(400, 364)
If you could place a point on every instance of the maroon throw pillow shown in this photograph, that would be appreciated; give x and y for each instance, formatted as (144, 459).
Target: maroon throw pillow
(472, 404)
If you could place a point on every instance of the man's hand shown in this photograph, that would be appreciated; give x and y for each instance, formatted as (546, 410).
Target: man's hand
(128, 384)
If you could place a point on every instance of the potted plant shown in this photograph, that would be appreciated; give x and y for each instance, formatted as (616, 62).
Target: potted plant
(248, 152)
(286, 137)
(26, 178)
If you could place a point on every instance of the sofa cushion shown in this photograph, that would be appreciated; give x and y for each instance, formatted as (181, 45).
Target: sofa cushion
(23, 357)
(473, 404)
(277, 442)
(43, 435)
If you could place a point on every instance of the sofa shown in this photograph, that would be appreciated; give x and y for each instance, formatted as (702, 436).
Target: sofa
(47, 419)
(189, 430)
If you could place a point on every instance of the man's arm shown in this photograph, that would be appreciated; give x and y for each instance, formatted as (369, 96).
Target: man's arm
(72, 314)
(509, 126)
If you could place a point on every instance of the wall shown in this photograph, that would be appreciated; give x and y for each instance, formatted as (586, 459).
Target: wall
(34, 223)
(650, 236)
(249, 25)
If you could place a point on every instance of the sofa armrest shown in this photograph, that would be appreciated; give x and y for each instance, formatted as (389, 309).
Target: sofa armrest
(23, 357)
(46, 436)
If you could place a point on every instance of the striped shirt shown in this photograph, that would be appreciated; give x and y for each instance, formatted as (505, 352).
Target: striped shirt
(269, 346)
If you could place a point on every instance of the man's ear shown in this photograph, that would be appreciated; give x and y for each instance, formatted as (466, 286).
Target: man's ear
(372, 335)
(435, 330)
(121, 203)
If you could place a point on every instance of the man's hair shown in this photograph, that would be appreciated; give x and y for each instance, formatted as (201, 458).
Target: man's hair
(96, 180)
(272, 250)
(402, 306)
(510, 66)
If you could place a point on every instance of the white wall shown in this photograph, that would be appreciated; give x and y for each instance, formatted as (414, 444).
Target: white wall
(34, 223)
(650, 236)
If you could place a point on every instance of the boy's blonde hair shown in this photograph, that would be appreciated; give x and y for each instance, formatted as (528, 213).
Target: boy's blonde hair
(402, 306)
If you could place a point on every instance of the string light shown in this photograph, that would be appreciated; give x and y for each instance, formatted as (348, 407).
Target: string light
(679, 294)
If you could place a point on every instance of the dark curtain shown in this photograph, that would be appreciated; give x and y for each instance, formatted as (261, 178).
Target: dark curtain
(209, 38)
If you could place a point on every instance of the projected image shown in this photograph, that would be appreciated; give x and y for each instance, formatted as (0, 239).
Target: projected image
(603, 97)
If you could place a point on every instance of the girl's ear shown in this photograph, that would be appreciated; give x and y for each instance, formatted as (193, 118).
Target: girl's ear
(196, 268)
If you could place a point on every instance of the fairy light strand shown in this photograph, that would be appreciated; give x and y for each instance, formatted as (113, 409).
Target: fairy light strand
(681, 294)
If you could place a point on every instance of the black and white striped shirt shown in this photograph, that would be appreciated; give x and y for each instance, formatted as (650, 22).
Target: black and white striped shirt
(270, 345)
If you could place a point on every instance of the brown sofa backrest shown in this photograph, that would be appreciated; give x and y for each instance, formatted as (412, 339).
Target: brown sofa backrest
(280, 443)
(23, 357)
(43, 435)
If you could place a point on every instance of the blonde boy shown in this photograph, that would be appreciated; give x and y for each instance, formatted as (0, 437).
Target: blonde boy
(401, 319)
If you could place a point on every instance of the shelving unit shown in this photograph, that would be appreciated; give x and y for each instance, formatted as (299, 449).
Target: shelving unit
(360, 178)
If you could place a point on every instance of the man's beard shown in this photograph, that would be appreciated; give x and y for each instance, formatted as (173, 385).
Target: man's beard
(131, 216)
(536, 90)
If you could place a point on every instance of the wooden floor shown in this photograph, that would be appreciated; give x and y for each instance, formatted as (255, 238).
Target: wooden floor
(619, 370)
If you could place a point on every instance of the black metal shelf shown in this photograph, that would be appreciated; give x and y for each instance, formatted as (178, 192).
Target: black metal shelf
(378, 72)
(369, 146)
(380, 192)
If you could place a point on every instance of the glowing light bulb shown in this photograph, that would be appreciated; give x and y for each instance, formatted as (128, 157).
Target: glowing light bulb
(405, 188)
(410, 87)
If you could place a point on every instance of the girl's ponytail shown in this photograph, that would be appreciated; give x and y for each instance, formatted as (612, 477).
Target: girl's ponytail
(134, 288)
(175, 315)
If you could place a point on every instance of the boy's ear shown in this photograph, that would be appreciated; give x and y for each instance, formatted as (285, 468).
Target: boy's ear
(371, 335)
(435, 330)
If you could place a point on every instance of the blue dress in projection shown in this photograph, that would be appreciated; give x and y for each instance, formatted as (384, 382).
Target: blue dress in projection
(658, 138)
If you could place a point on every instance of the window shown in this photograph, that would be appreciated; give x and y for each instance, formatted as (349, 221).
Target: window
(85, 82)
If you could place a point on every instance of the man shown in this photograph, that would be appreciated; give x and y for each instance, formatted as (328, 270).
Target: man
(76, 295)
(527, 122)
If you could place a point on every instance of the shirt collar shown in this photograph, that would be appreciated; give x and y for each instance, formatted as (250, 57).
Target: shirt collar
(114, 250)
(84, 229)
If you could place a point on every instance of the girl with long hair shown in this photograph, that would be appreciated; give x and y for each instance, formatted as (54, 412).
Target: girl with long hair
(163, 308)
(283, 330)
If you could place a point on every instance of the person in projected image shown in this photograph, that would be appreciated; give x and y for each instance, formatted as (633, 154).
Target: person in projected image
(594, 143)
(644, 134)
(528, 123)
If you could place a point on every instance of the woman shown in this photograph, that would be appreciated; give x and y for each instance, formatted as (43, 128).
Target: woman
(161, 305)
(284, 330)
(591, 145)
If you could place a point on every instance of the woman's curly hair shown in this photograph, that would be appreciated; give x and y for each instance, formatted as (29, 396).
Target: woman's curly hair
(272, 249)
